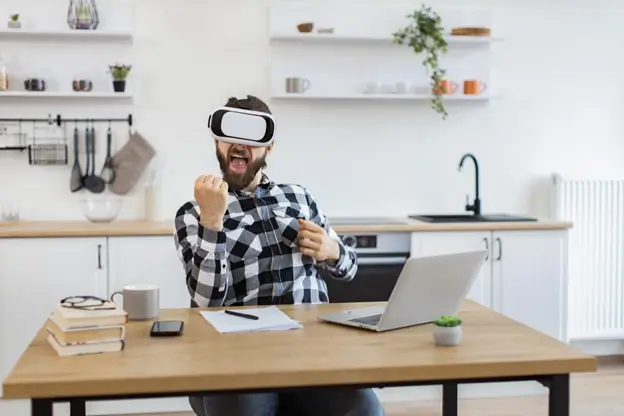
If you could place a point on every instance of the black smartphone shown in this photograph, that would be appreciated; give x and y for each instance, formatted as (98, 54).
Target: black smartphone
(167, 328)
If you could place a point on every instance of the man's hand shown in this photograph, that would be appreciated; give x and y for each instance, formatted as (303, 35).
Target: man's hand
(314, 242)
(211, 194)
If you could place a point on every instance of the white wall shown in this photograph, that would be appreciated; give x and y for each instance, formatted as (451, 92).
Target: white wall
(559, 73)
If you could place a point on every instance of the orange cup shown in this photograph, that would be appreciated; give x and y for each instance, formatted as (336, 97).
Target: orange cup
(447, 87)
(474, 87)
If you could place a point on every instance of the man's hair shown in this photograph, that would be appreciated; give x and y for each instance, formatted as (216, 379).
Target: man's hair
(250, 103)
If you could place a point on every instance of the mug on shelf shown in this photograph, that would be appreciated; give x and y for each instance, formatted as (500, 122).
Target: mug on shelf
(447, 87)
(474, 87)
(297, 85)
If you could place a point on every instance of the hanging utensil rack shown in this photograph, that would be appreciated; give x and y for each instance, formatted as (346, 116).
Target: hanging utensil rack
(59, 120)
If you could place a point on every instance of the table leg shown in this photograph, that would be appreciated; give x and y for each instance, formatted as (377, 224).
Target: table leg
(41, 407)
(77, 407)
(559, 395)
(450, 399)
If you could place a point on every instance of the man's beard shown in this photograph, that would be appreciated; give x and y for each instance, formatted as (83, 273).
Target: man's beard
(240, 181)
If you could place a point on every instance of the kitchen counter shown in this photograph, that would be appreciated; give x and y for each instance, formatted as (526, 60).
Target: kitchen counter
(44, 229)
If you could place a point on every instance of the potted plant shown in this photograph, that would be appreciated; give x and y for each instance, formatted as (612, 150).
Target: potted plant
(447, 330)
(119, 73)
(14, 22)
(426, 34)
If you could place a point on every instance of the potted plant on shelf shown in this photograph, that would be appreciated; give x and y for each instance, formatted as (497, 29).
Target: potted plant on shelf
(426, 34)
(14, 22)
(119, 73)
(447, 330)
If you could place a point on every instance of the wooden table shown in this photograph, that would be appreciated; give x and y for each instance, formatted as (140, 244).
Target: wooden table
(494, 349)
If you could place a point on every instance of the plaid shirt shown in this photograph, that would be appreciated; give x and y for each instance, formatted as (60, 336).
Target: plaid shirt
(255, 259)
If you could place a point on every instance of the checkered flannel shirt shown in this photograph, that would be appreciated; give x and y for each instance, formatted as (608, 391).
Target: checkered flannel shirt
(255, 259)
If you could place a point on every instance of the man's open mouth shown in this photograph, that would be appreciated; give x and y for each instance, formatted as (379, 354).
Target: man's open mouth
(238, 163)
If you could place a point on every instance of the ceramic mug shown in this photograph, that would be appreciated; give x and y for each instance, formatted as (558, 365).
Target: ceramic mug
(474, 87)
(448, 87)
(297, 85)
(141, 302)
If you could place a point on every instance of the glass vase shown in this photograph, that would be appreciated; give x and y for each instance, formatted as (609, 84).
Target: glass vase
(82, 15)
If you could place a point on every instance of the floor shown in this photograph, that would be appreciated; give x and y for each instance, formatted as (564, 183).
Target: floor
(597, 394)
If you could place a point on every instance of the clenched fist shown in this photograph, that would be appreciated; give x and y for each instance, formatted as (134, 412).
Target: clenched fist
(314, 242)
(211, 194)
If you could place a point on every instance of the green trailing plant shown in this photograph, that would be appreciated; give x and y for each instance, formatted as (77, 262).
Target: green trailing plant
(448, 321)
(119, 72)
(14, 17)
(426, 34)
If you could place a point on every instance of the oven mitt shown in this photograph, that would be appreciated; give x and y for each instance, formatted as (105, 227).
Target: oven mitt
(129, 163)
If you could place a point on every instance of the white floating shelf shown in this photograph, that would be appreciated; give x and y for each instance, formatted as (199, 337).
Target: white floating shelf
(56, 34)
(337, 37)
(403, 97)
(66, 94)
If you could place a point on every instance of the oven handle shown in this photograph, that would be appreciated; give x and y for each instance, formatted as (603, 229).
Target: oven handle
(375, 261)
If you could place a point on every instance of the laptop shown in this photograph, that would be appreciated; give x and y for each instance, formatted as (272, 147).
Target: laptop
(428, 288)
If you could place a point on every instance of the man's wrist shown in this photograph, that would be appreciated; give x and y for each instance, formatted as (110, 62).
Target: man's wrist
(212, 223)
(335, 252)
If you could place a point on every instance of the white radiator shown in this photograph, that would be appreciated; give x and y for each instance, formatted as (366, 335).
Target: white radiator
(596, 255)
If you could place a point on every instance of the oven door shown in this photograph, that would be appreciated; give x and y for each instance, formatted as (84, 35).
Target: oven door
(376, 276)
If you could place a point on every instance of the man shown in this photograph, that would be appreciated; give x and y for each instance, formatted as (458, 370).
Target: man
(246, 240)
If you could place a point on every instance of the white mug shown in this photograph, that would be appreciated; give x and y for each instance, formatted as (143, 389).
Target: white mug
(141, 302)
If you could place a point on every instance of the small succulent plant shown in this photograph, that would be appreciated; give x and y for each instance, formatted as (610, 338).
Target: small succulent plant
(14, 17)
(448, 321)
(119, 72)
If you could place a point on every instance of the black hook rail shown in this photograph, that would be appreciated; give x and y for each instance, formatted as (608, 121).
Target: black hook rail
(58, 120)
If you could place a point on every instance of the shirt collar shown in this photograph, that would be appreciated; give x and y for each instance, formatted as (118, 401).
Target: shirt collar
(265, 184)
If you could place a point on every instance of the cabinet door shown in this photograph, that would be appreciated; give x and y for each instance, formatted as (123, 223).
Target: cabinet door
(148, 260)
(35, 274)
(443, 242)
(529, 279)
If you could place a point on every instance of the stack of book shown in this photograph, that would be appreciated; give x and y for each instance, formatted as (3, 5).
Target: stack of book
(74, 331)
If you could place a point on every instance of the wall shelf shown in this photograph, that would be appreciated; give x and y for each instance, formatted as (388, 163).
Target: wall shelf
(67, 95)
(65, 34)
(398, 97)
(337, 37)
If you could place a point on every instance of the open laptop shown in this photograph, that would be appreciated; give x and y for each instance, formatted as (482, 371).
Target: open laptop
(427, 288)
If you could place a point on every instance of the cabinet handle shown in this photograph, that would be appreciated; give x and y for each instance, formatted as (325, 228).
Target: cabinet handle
(487, 247)
(99, 256)
(500, 249)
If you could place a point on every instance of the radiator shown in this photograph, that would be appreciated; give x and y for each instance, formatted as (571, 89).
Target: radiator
(596, 255)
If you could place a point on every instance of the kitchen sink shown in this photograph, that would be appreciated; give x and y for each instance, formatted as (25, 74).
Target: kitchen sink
(471, 218)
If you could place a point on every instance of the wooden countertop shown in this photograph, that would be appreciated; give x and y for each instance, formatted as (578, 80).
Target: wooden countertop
(319, 354)
(40, 229)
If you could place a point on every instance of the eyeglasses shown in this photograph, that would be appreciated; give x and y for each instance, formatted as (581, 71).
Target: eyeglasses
(89, 303)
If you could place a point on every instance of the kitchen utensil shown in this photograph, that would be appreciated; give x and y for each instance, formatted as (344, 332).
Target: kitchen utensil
(474, 87)
(75, 182)
(448, 87)
(54, 152)
(92, 182)
(108, 170)
(35, 84)
(100, 209)
(297, 85)
(305, 27)
(82, 85)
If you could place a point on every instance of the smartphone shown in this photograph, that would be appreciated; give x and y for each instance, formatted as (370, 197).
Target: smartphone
(167, 328)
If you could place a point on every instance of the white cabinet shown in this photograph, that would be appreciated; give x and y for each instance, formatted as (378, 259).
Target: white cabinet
(434, 243)
(524, 277)
(35, 274)
(148, 260)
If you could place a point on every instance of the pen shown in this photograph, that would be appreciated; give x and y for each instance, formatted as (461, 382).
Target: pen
(242, 315)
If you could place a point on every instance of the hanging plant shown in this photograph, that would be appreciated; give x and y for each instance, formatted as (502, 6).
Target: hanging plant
(426, 34)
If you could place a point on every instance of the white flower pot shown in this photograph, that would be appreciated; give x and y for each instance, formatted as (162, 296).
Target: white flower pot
(14, 25)
(447, 336)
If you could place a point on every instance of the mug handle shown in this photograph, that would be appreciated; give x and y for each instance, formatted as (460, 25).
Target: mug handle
(454, 87)
(112, 298)
(483, 86)
(306, 84)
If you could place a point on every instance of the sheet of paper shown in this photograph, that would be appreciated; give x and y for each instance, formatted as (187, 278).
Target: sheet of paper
(270, 319)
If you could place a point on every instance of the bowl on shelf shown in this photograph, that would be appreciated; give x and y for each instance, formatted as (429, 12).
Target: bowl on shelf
(101, 210)
(325, 30)
(305, 27)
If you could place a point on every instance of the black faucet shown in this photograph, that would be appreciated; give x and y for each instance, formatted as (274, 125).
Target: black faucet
(476, 205)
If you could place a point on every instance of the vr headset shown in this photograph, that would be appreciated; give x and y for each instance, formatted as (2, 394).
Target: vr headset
(237, 126)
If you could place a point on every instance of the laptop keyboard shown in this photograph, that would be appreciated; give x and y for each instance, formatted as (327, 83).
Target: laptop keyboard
(367, 320)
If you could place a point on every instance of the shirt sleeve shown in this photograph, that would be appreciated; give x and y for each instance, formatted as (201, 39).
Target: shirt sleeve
(204, 257)
(346, 266)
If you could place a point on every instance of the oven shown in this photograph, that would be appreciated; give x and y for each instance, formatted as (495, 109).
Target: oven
(381, 257)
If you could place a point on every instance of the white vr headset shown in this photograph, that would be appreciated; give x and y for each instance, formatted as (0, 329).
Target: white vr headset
(237, 126)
